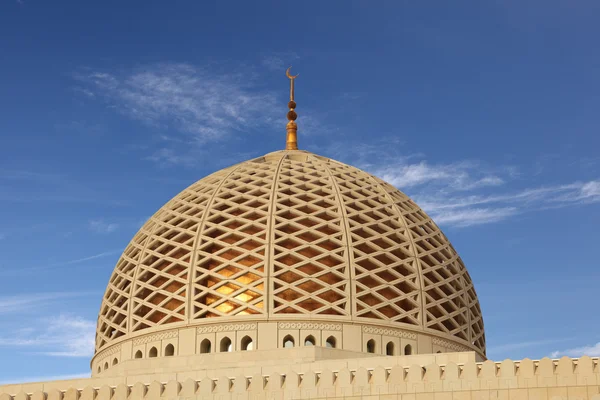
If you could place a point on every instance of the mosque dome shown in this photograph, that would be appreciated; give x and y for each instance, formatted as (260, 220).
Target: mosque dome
(301, 242)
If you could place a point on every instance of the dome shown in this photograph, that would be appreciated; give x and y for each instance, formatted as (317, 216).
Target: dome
(291, 242)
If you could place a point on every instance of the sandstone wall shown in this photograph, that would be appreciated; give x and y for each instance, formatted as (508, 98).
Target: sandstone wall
(545, 379)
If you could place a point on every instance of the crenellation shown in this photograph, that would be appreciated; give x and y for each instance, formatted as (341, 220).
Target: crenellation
(545, 373)
(172, 389)
(344, 383)
(326, 387)
(39, 395)
(569, 379)
(122, 392)
(139, 390)
(105, 392)
(88, 393)
(72, 394)
(189, 387)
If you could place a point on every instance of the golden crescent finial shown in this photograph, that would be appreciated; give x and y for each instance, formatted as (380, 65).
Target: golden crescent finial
(287, 73)
(292, 139)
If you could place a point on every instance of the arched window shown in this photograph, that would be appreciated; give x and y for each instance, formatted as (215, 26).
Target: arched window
(288, 342)
(169, 350)
(105, 366)
(138, 354)
(408, 350)
(153, 352)
(115, 361)
(389, 349)
(247, 343)
(330, 342)
(99, 369)
(371, 346)
(309, 341)
(205, 346)
(225, 345)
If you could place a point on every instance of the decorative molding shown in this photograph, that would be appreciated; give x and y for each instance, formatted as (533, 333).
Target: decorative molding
(320, 227)
(225, 328)
(450, 345)
(108, 352)
(155, 337)
(539, 379)
(310, 325)
(389, 332)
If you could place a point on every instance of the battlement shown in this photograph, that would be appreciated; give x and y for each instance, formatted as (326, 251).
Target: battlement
(526, 379)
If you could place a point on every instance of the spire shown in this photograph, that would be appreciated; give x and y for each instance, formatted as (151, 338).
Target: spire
(291, 142)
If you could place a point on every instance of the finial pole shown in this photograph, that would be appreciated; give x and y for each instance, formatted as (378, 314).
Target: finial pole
(291, 142)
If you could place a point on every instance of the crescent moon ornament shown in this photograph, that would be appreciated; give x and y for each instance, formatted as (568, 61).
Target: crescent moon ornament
(292, 77)
(287, 73)
(291, 142)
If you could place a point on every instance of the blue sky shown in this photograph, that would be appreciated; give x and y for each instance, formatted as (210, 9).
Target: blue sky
(485, 112)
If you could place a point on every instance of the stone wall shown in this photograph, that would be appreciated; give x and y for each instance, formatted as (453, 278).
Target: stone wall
(508, 380)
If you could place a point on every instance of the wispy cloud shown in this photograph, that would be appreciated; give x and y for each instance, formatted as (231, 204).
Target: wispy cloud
(523, 345)
(101, 226)
(61, 336)
(45, 378)
(26, 270)
(279, 61)
(476, 209)
(196, 101)
(30, 186)
(458, 176)
(168, 157)
(468, 192)
(472, 216)
(28, 301)
(592, 351)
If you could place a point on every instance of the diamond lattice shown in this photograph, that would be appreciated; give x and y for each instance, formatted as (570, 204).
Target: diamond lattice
(287, 235)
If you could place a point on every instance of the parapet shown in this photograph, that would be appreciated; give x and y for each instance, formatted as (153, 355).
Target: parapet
(515, 380)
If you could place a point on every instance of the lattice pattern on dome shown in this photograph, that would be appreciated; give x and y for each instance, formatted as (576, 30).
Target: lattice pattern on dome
(310, 269)
(229, 265)
(385, 272)
(286, 235)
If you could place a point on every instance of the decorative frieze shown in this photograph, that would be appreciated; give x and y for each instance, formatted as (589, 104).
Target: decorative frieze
(376, 330)
(155, 337)
(310, 325)
(225, 328)
(449, 345)
(109, 352)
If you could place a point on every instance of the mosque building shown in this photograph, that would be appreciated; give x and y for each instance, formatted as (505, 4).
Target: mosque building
(295, 276)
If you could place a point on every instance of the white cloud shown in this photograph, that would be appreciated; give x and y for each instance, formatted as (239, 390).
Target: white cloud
(47, 378)
(184, 98)
(464, 193)
(101, 226)
(466, 210)
(590, 191)
(461, 176)
(62, 336)
(21, 270)
(167, 157)
(27, 301)
(591, 351)
(279, 61)
(472, 216)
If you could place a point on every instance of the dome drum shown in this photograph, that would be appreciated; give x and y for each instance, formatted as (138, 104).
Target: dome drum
(291, 236)
(247, 335)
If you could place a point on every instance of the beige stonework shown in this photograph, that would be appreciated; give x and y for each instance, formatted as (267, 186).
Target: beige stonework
(294, 276)
(331, 254)
(319, 373)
